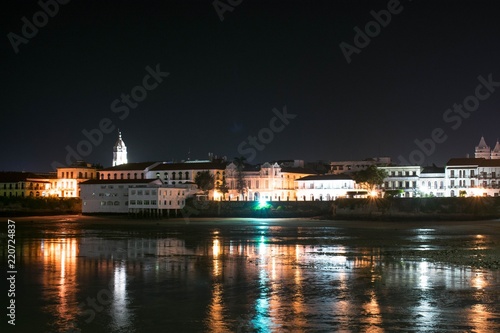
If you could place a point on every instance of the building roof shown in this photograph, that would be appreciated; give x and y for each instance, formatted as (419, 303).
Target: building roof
(119, 143)
(298, 170)
(326, 177)
(482, 144)
(432, 169)
(190, 166)
(472, 161)
(17, 176)
(130, 166)
(497, 147)
(118, 181)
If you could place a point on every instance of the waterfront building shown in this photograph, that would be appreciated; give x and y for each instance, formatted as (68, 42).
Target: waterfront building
(67, 183)
(432, 181)
(110, 196)
(401, 180)
(186, 172)
(473, 177)
(149, 196)
(24, 184)
(328, 187)
(270, 182)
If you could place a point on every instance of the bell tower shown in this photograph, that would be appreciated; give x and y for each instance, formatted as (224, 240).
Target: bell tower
(119, 151)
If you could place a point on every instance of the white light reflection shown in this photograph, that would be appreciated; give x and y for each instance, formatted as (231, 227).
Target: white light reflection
(119, 307)
(262, 321)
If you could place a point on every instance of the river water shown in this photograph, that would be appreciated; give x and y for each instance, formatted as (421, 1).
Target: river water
(242, 275)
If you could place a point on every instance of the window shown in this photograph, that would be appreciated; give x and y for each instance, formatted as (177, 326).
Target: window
(187, 175)
(117, 203)
(139, 192)
(146, 202)
(153, 202)
(132, 202)
(132, 192)
(139, 202)
(128, 175)
(103, 203)
(146, 192)
(121, 175)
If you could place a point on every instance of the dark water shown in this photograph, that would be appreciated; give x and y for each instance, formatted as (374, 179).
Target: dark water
(240, 276)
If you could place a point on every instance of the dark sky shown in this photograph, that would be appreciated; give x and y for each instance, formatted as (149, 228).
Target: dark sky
(225, 77)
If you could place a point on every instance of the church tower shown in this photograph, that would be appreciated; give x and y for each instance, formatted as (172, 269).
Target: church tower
(482, 150)
(119, 151)
(495, 153)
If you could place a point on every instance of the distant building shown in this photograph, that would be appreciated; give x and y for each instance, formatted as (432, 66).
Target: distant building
(149, 196)
(67, 183)
(340, 167)
(119, 151)
(403, 179)
(484, 151)
(271, 182)
(473, 177)
(432, 181)
(24, 184)
(127, 171)
(327, 187)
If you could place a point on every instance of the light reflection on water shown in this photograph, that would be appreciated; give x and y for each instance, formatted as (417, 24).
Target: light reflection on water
(219, 283)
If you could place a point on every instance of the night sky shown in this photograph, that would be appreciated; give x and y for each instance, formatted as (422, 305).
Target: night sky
(225, 78)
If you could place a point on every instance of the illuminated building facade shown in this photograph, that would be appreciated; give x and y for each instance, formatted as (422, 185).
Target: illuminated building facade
(403, 179)
(473, 177)
(327, 187)
(271, 182)
(67, 184)
(174, 174)
(24, 184)
(432, 182)
(119, 151)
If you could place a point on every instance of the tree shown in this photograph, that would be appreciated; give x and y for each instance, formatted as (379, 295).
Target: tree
(240, 178)
(223, 188)
(205, 181)
(370, 178)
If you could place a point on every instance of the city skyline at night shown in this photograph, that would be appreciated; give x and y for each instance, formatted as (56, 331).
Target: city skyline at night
(413, 80)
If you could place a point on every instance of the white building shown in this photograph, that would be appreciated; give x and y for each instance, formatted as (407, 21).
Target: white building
(160, 199)
(110, 196)
(473, 177)
(432, 182)
(270, 182)
(128, 171)
(67, 184)
(403, 179)
(119, 151)
(327, 187)
(133, 196)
